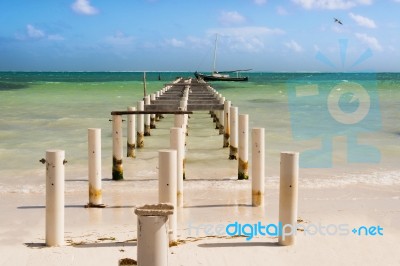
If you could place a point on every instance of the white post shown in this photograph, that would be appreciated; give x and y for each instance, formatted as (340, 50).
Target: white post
(243, 164)
(147, 117)
(177, 143)
(117, 171)
(221, 117)
(55, 174)
(140, 126)
(94, 156)
(227, 106)
(258, 167)
(288, 197)
(167, 186)
(131, 143)
(152, 116)
(152, 234)
(233, 147)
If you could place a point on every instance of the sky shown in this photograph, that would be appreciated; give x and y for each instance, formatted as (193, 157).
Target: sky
(179, 35)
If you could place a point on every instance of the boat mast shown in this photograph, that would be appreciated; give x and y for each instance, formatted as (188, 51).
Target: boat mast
(215, 53)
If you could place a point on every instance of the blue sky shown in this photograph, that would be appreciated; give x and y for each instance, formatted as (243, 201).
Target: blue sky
(178, 35)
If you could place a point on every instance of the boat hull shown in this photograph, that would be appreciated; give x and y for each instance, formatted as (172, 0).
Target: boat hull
(214, 78)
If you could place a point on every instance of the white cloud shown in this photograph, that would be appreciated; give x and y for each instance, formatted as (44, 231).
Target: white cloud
(281, 11)
(331, 4)
(293, 45)
(370, 41)
(119, 38)
(175, 43)
(231, 17)
(260, 2)
(84, 7)
(33, 32)
(363, 21)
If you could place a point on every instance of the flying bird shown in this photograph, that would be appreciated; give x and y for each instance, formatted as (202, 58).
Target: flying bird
(338, 21)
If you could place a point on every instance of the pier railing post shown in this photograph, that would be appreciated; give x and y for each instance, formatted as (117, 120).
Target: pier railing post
(152, 234)
(140, 126)
(177, 143)
(288, 197)
(167, 186)
(243, 164)
(258, 167)
(55, 178)
(147, 117)
(227, 106)
(233, 145)
(117, 170)
(131, 143)
(94, 167)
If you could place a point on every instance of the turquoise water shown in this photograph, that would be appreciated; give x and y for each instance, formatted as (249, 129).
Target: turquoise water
(52, 110)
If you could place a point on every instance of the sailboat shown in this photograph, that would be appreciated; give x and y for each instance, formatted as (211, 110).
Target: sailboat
(222, 75)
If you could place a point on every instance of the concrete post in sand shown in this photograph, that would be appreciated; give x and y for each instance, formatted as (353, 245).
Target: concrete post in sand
(227, 106)
(55, 178)
(140, 126)
(157, 115)
(131, 143)
(183, 106)
(177, 142)
(288, 197)
(243, 164)
(147, 117)
(258, 167)
(152, 116)
(179, 122)
(233, 145)
(221, 117)
(117, 170)
(94, 161)
(167, 187)
(152, 234)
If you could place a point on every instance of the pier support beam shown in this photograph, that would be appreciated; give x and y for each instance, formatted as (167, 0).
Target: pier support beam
(131, 143)
(233, 145)
(140, 126)
(227, 106)
(167, 187)
(243, 164)
(117, 170)
(55, 178)
(94, 167)
(288, 197)
(258, 166)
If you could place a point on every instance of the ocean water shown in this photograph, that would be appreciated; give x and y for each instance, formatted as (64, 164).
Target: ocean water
(53, 110)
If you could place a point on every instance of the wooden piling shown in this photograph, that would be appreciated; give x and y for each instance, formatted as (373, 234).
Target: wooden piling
(233, 145)
(288, 197)
(258, 166)
(243, 163)
(131, 142)
(227, 106)
(152, 116)
(147, 117)
(140, 126)
(117, 170)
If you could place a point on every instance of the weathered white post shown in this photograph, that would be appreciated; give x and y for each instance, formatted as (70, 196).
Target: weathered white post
(152, 234)
(243, 164)
(288, 197)
(140, 126)
(233, 147)
(177, 142)
(152, 116)
(131, 143)
(147, 117)
(167, 187)
(94, 160)
(221, 117)
(117, 171)
(258, 167)
(227, 106)
(55, 176)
